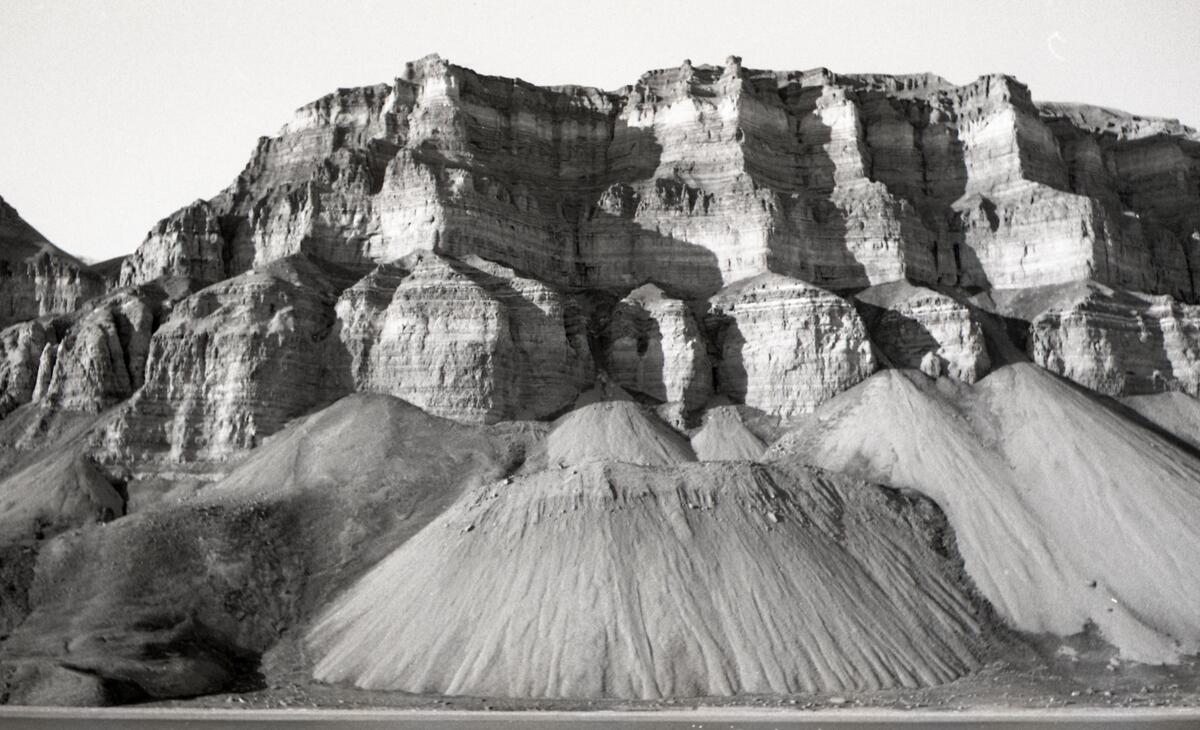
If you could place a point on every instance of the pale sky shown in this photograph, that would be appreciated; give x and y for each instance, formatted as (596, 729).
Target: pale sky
(113, 113)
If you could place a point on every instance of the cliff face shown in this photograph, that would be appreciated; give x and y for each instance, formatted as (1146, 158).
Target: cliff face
(21, 347)
(36, 277)
(1118, 343)
(786, 346)
(915, 327)
(499, 243)
(231, 364)
(101, 360)
(654, 345)
(698, 176)
(466, 339)
(725, 250)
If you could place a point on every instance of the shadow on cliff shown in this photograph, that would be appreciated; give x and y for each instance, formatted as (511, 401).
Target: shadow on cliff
(526, 383)
(809, 240)
(650, 385)
(616, 239)
(900, 341)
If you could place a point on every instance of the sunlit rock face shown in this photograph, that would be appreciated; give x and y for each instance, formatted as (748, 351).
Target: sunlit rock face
(189, 243)
(487, 248)
(697, 176)
(465, 339)
(101, 359)
(21, 347)
(36, 277)
(786, 346)
(230, 365)
(1119, 343)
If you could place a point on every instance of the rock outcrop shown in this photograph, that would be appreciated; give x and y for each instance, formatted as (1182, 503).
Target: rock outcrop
(466, 339)
(230, 365)
(1120, 343)
(21, 348)
(101, 360)
(915, 327)
(189, 243)
(785, 346)
(654, 345)
(36, 277)
(700, 175)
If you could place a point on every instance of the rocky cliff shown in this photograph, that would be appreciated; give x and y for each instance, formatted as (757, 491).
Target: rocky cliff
(690, 179)
(679, 270)
(36, 277)
(697, 176)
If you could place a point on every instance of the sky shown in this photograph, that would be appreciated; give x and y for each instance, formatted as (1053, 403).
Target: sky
(114, 113)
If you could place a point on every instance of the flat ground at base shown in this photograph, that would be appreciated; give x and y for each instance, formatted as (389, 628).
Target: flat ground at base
(999, 687)
(730, 718)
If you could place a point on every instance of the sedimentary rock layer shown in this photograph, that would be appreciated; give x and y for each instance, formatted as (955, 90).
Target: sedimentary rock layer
(21, 348)
(915, 327)
(466, 339)
(700, 175)
(786, 346)
(230, 365)
(36, 277)
(101, 360)
(1120, 343)
(653, 345)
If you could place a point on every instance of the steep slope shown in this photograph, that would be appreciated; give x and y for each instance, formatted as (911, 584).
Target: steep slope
(58, 492)
(185, 598)
(1066, 513)
(630, 581)
(1174, 412)
(615, 430)
(724, 437)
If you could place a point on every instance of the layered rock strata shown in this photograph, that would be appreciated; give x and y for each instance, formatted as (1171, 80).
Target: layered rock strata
(697, 176)
(230, 365)
(654, 345)
(467, 339)
(21, 348)
(36, 277)
(785, 346)
(1119, 343)
(102, 358)
(915, 327)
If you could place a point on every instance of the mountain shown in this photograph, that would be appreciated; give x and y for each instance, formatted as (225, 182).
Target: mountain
(794, 353)
(37, 277)
(1066, 512)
